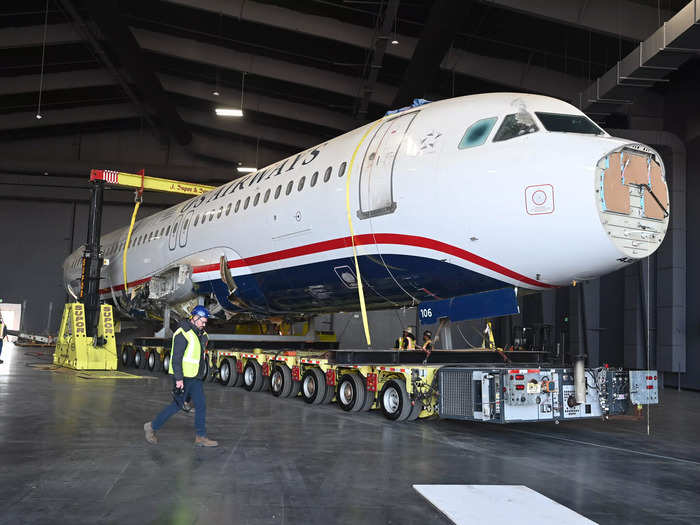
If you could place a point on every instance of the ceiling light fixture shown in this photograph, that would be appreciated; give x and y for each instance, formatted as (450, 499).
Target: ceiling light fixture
(232, 112)
(395, 41)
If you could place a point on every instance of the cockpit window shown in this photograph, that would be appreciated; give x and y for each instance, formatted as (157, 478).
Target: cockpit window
(568, 123)
(477, 133)
(515, 125)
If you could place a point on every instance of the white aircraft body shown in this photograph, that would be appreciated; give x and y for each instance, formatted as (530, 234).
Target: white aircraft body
(450, 198)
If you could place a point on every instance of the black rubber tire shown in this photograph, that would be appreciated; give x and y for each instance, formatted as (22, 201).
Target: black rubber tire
(166, 362)
(139, 358)
(394, 400)
(281, 381)
(226, 377)
(154, 362)
(252, 376)
(350, 394)
(296, 388)
(126, 357)
(416, 409)
(313, 386)
(238, 381)
(370, 397)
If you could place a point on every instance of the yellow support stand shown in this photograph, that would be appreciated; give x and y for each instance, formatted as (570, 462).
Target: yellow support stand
(74, 349)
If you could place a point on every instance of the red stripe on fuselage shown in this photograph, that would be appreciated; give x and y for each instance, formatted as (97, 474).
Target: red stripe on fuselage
(379, 238)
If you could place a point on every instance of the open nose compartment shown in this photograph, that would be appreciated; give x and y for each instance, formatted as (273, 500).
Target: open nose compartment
(633, 199)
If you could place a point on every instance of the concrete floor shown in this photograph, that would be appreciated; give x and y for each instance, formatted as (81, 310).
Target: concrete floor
(72, 450)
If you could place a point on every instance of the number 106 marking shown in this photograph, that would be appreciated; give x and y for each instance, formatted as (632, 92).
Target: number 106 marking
(426, 312)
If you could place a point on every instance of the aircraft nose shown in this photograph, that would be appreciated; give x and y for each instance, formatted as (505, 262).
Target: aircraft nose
(633, 199)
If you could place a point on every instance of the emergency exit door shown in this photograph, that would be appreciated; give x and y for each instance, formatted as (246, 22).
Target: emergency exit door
(377, 172)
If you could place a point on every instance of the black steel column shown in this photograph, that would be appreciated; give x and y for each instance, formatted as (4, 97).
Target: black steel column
(92, 260)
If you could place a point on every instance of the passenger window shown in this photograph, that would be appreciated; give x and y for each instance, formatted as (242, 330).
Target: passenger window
(247, 201)
(150, 235)
(228, 208)
(327, 175)
(162, 230)
(267, 195)
(238, 205)
(196, 221)
(477, 133)
(515, 125)
(167, 232)
(211, 215)
(278, 191)
(301, 184)
(221, 210)
(341, 171)
(314, 178)
(289, 187)
(256, 199)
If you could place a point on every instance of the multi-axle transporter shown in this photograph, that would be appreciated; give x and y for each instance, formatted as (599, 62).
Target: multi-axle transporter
(407, 385)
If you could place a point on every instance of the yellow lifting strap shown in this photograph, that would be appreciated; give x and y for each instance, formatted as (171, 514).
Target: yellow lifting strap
(360, 290)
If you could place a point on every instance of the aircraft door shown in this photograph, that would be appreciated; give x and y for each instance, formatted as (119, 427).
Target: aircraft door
(185, 228)
(174, 231)
(377, 171)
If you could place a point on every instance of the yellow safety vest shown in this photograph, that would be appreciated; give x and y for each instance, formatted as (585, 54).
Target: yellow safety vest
(190, 359)
(410, 345)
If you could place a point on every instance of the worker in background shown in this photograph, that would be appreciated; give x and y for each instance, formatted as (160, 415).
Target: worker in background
(427, 342)
(407, 341)
(3, 335)
(189, 371)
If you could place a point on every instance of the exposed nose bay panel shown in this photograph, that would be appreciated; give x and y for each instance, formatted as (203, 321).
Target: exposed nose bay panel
(633, 199)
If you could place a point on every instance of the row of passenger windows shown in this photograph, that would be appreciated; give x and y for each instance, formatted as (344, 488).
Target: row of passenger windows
(138, 240)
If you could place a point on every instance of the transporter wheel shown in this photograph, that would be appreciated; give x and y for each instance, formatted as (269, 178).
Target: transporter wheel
(329, 395)
(351, 393)
(227, 372)
(313, 386)
(252, 376)
(394, 400)
(416, 409)
(281, 381)
(153, 361)
(236, 376)
(296, 387)
(369, 399)
(138, 359)
(166, 362)
(126, 356)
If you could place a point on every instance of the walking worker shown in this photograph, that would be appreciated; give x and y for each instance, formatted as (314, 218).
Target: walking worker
(3, 335)
(407, 341)
(189, 370)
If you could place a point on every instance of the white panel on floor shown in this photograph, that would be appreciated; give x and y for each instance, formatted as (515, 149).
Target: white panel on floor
(497, 504)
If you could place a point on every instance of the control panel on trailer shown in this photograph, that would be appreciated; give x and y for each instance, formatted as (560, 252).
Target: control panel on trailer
(521, 395)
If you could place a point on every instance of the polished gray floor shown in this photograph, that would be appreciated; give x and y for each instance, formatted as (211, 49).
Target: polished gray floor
(72, 451)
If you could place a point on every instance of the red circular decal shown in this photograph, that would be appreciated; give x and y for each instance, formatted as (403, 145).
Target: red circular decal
(539, 197)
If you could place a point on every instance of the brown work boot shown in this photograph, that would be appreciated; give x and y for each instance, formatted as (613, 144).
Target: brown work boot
(203, 441)
(150, 433)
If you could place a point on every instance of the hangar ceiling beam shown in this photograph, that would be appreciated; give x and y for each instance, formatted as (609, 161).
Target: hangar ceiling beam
(631, 20)
(52, 81)
(259, 103)
(188, 49)
(30, 36)
(446, 17)
(510, 73)
(243, 127)
(379, 48)
(108, 18)
(77, 115)
(87, 34)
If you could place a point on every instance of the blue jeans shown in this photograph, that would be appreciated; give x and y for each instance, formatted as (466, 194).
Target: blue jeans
(194, 388)
(0, 346)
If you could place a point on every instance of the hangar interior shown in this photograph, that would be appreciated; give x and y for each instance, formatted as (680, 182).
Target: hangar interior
(133, 85)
